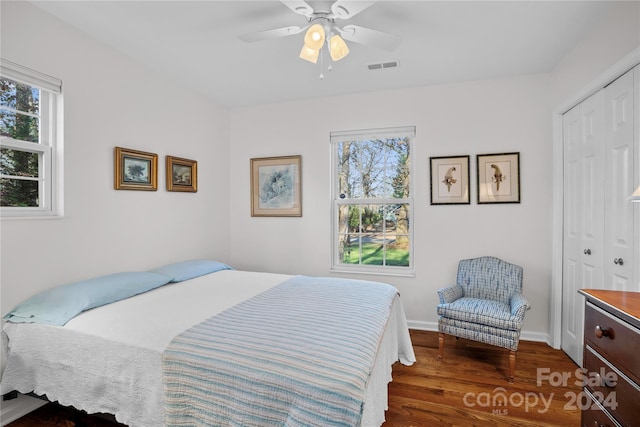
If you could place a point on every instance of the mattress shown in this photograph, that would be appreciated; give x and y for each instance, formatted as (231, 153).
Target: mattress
(109, 359)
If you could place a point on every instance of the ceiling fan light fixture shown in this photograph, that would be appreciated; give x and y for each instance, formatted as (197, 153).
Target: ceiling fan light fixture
(314, 37)
(338, 49)
(308, 54)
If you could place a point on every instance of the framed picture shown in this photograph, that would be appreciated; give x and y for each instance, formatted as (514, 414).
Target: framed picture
(135, 170)
(450, 180)
(276, 186)
(499, 178)
(182, 174)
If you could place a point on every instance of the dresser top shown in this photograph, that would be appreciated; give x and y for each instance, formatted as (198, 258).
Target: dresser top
(622, 303)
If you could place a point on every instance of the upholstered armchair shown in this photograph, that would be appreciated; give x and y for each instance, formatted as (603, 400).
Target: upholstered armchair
(485, 305)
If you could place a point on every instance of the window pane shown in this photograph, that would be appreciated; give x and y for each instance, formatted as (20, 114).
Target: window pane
(344, 215)
(20, 97)
(348, 188)
(397, 256)
(18, 163)
(377, 168)
(350, 250)
(371, 217)
(399, 161)
(19, 111)
(399, 183)
(372, 249)
(343, 155)
(397, 221)
(370, 164)
(19, 126)
(18, 193)
(374, 234)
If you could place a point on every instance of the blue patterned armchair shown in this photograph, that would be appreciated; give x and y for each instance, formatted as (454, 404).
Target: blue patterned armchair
(485, 305)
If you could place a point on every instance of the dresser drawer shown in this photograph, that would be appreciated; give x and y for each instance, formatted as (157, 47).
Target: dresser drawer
(620, 397)
(614, 339)
(595, 416)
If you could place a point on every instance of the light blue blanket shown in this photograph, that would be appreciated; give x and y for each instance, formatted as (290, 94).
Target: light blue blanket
(299, 354)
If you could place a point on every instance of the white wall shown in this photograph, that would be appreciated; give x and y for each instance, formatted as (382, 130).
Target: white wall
(111, 101)
(470, 118)
(614, 36)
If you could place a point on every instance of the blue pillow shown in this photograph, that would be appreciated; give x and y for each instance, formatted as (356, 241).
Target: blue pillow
(186, 270)
(59, 305)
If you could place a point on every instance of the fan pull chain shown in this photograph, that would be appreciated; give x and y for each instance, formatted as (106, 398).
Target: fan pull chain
(329, 68)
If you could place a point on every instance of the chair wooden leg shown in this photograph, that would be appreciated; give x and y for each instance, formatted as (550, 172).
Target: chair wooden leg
(440, 345)
(512, 365)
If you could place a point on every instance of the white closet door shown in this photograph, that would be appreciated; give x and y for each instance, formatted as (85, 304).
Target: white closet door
(583, 215)
(592, 178)
(571, 339)
(619, 172)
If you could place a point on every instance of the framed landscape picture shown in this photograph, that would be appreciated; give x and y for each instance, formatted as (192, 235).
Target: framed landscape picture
(182, 174)
(135, 170)
(276, 186)
(499, 178)
(450, 180)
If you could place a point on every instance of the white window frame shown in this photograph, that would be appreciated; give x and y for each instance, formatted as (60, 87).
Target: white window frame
(48, 148)
(336, 137)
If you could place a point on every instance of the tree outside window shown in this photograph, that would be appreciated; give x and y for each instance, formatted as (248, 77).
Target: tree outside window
(19, 120)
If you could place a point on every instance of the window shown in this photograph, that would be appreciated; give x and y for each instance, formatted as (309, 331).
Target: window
(372, 201)
(29, 142)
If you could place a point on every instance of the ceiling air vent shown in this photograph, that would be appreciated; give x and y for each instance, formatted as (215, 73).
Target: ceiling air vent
(383, 65)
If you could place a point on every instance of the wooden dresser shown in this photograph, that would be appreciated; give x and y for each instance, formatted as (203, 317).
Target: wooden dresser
(611, 359)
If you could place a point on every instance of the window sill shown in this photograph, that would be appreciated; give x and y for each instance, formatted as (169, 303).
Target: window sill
(408, 273)
(34, 217)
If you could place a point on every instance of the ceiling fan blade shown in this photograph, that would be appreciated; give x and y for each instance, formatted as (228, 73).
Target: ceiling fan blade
(345, 9)
(298, 6)
(270, 34)
(369, 37)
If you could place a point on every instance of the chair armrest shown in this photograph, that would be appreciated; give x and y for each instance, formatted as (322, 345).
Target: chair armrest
(519, 305)
(450, 294)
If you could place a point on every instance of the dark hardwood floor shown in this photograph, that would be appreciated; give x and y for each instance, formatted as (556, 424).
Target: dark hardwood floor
(468, 388)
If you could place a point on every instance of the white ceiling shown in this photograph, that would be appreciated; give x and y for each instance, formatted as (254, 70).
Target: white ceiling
(442, 41)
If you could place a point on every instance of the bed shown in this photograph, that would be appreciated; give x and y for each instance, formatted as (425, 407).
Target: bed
(215, 346)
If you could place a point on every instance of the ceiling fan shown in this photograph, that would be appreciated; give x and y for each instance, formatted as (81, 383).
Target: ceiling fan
(322, 26)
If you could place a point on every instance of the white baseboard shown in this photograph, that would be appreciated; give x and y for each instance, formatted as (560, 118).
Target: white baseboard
(433, 326)
(535, 336)
(16, 408)
(422, 326)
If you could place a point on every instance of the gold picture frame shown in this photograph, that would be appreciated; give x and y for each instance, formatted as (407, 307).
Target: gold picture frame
(276, 186)
(182, 174)
(135, 170)
(450, 180)
(498, 178)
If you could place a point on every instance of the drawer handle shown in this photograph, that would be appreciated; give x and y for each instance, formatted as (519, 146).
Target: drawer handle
(618, 261)
(603, 332)
(587, 251)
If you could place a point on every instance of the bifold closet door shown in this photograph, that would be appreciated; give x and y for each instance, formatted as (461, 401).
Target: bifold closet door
(620, 146)
(583, 130)
(599, 247)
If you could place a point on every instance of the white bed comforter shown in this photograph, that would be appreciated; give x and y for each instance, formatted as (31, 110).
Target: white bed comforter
(109, 359)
